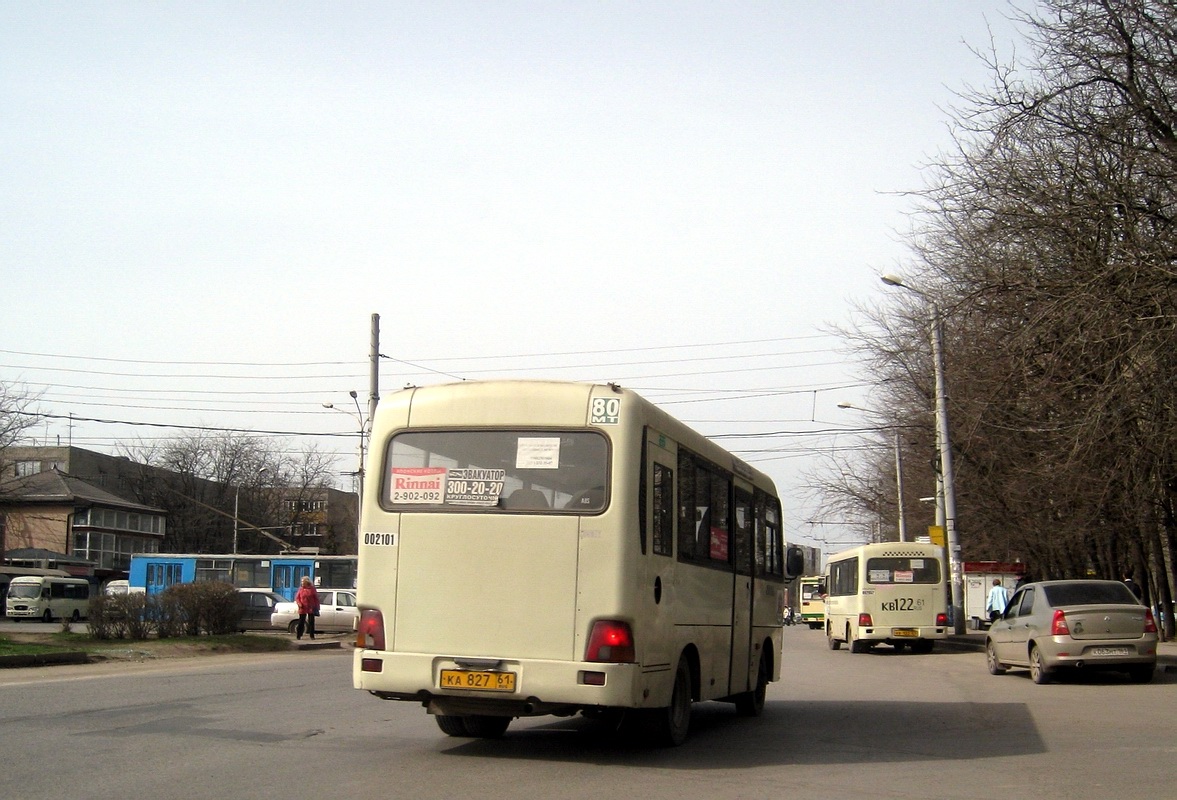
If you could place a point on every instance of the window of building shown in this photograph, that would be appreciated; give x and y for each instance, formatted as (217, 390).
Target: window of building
(23, 469)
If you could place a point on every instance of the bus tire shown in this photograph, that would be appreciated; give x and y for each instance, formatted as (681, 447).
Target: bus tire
(670, 725)
(76, 616)
(47, 616)
(751, 704)
(832, 641)
(856, 645)
(486, 727)
(923, 646)
(452, 725)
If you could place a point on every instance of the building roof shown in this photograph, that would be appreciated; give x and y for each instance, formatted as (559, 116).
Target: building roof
(52, 487)
(41, 554)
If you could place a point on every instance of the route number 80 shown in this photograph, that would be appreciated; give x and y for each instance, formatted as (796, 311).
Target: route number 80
(605, 411)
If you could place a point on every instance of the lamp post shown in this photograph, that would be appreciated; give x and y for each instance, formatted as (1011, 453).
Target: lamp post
(944, 443)
(237, 505)
(898, 478)
(359, 417)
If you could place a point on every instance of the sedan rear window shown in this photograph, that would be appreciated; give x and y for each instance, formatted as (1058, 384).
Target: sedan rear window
(1088, 593)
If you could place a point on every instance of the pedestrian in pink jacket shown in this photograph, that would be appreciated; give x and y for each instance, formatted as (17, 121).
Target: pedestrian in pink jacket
(307, 600)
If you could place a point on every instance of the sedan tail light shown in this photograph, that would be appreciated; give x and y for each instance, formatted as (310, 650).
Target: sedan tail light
(1150, 624)
(1058, 624)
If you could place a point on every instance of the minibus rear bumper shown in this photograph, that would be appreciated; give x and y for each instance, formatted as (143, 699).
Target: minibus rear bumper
(540, 686)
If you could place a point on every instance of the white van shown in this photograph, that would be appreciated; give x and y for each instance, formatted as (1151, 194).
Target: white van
(117, 587)
(47, 598)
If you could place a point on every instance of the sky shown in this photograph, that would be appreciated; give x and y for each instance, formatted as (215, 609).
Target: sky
(202, 205)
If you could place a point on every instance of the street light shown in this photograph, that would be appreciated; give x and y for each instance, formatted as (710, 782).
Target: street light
(359, 417)
(944, 443)
(898, 476)
(237, 505)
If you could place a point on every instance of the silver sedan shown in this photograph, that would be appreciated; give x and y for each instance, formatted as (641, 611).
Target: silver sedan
(1077, 624)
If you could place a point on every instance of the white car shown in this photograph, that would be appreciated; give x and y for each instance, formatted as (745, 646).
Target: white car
(337, 612)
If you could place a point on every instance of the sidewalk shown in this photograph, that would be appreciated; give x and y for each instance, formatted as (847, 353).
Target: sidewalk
(81, 657)
(1166, 651)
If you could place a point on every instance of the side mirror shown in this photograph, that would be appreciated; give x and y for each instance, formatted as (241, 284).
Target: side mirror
(821, 589)
(794, 562)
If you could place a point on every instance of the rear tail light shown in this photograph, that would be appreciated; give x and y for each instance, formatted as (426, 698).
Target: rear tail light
(1058, 625)
(370, 630)
(610, 641)
(941, 620)
(1150, 624)
(865, 621)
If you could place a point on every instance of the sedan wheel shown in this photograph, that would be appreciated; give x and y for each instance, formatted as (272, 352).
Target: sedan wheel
(995, 666)
(1038, 670)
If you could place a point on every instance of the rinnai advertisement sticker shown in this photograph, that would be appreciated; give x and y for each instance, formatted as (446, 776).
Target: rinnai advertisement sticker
(439, 485)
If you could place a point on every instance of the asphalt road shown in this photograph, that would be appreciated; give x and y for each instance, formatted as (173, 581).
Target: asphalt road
(842, 725)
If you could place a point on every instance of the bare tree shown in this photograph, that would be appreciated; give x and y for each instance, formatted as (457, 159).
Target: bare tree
(1047, 237)
(15, 414)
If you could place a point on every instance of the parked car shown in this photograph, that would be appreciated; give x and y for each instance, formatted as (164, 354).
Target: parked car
(1078, 624)
(337, 612)
(257, 605)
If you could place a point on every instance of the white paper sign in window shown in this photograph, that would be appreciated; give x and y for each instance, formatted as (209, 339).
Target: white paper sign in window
(538, 452)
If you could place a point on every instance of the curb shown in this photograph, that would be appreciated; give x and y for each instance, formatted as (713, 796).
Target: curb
(44, 659)
(316, 645)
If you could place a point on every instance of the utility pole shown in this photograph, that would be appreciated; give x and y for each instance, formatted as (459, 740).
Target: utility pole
(946, 485)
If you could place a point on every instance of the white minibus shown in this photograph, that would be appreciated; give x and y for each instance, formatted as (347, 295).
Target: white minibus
(892, 592)
(46, 598)
(813, 604)
(533, 548)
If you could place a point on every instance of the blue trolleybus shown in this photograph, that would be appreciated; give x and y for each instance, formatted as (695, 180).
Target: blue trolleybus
(154, 572)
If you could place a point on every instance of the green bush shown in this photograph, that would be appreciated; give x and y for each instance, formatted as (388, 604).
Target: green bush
(195, 609)
(183, 609)
(120, 616)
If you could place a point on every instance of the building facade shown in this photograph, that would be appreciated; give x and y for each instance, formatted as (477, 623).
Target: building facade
(146, 506)
(52, 513)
